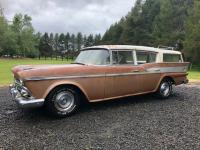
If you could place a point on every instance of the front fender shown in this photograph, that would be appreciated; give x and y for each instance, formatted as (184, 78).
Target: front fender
(59, 83)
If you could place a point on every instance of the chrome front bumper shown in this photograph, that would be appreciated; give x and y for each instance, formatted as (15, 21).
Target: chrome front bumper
(23, 102)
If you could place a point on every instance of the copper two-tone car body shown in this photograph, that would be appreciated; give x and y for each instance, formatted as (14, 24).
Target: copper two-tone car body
(101, 73)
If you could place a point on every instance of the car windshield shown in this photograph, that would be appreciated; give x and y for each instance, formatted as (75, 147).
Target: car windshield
(93, 57)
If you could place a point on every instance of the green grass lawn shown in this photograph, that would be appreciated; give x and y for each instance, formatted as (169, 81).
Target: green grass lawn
(6, 64)
(194, 75)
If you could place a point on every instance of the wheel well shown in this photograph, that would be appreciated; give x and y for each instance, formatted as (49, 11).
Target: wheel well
(170, 79)
(74, 87)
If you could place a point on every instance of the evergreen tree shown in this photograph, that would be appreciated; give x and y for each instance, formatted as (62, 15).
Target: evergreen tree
(44, 45)
(56, 43)
(169, 24)
(157, 22)
(79, 40)
(192, 40)
(51, 43)
(67, 41)
(97, 39)
(61, 41)
(73, 42)
(90, 40)
(85, 41)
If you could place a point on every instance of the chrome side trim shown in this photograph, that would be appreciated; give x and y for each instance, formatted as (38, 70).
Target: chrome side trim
(86, 76)
(155, 70)
(129, 74)
(64, 77)
(169, 69)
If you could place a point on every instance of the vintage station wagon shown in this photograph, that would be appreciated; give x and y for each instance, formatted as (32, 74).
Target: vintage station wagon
(99, 73)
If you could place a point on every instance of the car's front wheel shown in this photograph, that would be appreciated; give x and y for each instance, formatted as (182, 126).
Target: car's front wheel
(62, 101)
(165, 89)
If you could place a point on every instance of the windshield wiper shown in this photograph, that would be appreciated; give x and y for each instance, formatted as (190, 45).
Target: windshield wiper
(78, 63)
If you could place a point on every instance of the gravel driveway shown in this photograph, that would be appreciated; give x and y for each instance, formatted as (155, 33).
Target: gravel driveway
(140, 122)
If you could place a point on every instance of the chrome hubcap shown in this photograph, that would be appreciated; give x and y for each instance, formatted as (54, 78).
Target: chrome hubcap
(165, 89)
(64, 101)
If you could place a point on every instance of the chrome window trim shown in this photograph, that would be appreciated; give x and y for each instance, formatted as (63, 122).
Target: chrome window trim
(135, 57)
(157, 55)
(181, 57)
(99, 49)
(111, 62)
(123, 50)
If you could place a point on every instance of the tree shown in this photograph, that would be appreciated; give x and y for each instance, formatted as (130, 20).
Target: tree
(135, 26)
(85, 41)
(169, 24)
(19, 38)
(192, 40)
(51, 43)
(113, 35)
(8, 42)
(56, 44)
(97, 39)
(3, 29)
(158, 22)
(90, 40)
(44, 46)
(79, 40)
(26, 42)
(67, 41)
(72, 42)
(61, 41)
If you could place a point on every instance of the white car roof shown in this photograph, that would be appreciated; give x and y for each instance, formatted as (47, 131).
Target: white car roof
(128, 47)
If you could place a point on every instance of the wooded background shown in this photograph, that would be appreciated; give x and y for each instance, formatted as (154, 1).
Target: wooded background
(174, 23)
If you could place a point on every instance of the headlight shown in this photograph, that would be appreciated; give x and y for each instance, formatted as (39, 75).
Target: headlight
(19, 82)
(19, 85)
(24, 93)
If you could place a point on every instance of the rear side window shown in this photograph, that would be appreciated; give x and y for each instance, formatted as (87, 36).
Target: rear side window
(172, 58)
(122, 57)
(145, 57)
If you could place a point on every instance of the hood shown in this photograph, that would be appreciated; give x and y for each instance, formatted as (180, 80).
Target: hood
(28, 71)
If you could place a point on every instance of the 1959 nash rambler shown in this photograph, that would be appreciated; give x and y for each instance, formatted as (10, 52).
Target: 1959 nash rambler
(99, 73)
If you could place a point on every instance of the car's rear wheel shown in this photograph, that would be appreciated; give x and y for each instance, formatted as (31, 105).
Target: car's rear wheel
(165, 89)
(62, 101)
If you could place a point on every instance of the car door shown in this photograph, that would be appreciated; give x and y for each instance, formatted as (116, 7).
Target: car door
(122, 75)
(149, 76)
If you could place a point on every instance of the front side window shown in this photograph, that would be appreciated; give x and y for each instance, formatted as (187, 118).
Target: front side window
(172, 58)
(94, 57)
(144, 57)
(122, 57)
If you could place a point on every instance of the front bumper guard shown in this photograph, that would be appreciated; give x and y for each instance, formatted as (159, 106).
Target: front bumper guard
(23, 102)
